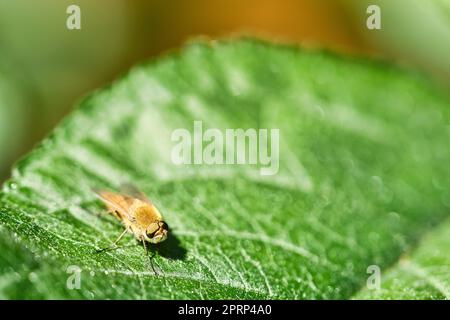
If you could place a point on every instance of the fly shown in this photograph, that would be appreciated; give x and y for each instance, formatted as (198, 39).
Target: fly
(138, 215)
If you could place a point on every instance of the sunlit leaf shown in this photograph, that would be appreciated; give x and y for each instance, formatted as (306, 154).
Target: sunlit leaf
(363, 174)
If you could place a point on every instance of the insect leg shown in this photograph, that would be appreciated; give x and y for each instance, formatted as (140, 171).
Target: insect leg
(154, 253)
(114, 244)
(150, 257)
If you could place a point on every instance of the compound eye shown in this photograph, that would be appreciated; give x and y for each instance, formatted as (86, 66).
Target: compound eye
(163, 225)
(151, 230)
(151, 235)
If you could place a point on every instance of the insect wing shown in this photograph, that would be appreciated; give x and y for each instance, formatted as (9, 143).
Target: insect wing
(118, 202)
(134, 192)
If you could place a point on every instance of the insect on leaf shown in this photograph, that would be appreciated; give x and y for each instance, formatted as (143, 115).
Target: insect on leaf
(363, 175)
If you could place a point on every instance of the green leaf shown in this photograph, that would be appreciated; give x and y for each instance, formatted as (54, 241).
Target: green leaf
(423, 274)
(363, 174)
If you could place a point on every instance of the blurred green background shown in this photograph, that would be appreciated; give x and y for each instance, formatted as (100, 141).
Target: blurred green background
(45, 68)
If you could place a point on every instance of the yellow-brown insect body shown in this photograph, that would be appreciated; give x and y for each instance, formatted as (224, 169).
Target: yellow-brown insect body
(139, 216)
